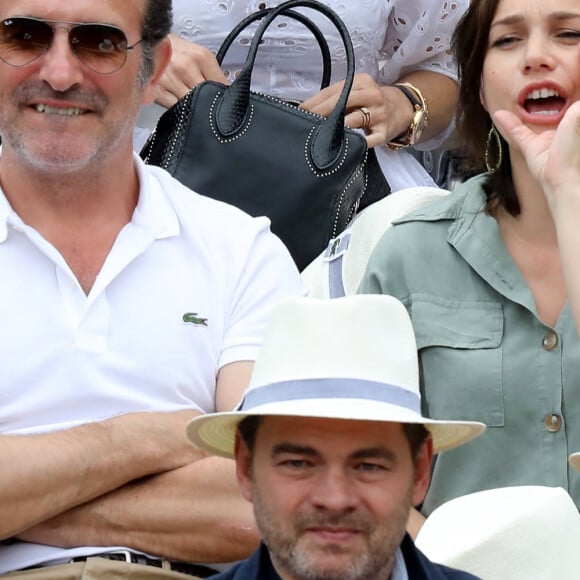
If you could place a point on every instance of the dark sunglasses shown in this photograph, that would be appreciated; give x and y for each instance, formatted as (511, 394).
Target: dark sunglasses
(100, 47)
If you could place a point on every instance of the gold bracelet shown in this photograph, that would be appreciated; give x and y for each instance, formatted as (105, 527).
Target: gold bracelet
(419, 120)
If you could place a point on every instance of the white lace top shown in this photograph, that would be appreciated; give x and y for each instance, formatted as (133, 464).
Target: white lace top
(404, 34)
(390, 38)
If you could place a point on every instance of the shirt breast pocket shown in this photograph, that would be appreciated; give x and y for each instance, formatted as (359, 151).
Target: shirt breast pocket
(460, 355)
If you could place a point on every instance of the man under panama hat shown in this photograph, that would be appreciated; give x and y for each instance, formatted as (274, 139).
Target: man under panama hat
(352, 358)
(510, 533)
(330, 444)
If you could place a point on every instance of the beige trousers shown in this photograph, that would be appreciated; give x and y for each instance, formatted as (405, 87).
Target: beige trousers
(98, 569)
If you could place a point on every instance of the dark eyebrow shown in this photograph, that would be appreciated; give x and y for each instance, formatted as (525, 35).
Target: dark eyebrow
(565, 15)
(517, 18)
(508, 20)
(375, 453)
(285, 447)
(370, 453)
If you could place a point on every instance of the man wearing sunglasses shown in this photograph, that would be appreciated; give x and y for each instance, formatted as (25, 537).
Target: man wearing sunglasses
(129, 305)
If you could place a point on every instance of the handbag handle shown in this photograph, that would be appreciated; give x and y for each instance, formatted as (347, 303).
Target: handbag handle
(236, 31)
(233, 111)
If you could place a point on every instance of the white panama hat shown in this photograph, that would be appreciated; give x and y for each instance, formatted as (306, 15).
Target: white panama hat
(352, 358)
(574, 460)
(509, 533)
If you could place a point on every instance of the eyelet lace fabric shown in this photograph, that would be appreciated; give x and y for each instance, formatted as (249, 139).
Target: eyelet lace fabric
(390, 38)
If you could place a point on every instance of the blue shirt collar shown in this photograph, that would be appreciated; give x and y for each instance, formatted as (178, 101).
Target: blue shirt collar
(400, 568)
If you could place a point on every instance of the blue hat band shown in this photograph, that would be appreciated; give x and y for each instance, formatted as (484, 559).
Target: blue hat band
(331, 389)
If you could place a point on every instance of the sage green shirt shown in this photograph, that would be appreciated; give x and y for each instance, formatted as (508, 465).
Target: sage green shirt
(484, 353)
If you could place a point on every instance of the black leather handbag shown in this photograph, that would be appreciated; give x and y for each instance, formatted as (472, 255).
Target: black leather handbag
(307, 173)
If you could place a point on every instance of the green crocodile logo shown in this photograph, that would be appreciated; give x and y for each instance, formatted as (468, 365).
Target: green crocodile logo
(193, 318)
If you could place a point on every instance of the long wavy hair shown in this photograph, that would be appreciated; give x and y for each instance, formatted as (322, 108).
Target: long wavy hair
(470, 44)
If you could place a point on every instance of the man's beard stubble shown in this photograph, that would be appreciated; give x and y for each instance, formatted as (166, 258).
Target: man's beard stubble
(373, 564)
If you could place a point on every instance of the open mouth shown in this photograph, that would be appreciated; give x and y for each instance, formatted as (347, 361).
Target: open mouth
(545, 101)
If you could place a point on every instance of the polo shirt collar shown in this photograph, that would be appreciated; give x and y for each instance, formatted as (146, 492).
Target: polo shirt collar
(5, 212)
(154, 211)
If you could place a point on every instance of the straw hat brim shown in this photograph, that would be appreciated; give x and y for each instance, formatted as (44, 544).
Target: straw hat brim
(215, 432)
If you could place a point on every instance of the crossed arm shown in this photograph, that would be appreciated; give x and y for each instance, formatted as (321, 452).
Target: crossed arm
(134, 481)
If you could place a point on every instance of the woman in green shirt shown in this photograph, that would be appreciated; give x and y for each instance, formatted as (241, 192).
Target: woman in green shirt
(487, 271)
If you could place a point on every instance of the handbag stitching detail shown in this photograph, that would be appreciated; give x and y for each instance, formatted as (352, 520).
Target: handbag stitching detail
(185, 111)
(352, 211)
(314, 169)
(214, 127)
(180, 124)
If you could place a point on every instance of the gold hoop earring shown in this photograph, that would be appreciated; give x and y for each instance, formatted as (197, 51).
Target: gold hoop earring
(493, 135)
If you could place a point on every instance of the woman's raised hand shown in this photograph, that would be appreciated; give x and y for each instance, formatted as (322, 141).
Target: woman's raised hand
(553, 156)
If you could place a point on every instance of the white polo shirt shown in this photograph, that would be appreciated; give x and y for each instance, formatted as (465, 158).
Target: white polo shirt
(68, 358)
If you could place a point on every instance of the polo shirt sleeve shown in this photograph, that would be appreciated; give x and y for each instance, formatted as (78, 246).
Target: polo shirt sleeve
(265, 275)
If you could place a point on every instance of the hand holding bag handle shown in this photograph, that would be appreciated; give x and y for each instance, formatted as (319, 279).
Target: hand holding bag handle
(233, 111)
(236, 31)
(243, 24)
(377, 186)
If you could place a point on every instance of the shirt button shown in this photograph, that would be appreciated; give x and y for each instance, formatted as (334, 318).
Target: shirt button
(553, 423)
(550, 341)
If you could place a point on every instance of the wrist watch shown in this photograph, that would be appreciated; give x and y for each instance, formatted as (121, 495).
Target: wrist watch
(419, 120)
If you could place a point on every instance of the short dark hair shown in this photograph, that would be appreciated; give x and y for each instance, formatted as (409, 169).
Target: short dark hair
(470, 43)
(248, 429)
(155, 27)
(415, 433)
